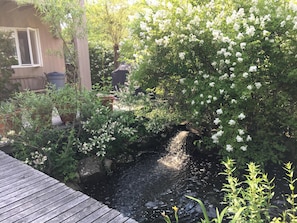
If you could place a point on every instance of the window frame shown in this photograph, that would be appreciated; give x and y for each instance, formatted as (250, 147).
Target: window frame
(37, 51)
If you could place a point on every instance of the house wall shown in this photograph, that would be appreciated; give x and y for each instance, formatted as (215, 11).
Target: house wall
(12, 15)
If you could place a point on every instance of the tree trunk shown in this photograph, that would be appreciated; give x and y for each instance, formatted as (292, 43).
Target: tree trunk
(116, 55)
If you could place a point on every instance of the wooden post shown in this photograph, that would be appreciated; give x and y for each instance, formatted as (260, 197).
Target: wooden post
(83, 60)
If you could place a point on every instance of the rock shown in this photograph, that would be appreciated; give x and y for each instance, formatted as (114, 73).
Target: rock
(149, 204)
(74, 186)
(124, 158)
(90, 166)
(107, 165)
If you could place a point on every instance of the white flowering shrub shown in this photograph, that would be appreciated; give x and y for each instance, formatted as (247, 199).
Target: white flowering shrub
(228, 68)
(107, 133)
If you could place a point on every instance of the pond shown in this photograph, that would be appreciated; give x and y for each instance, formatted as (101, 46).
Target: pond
(157, 182)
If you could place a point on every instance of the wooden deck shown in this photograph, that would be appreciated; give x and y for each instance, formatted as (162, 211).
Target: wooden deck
(28, 195)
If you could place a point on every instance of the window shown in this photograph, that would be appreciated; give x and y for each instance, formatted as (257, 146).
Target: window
(27, 47)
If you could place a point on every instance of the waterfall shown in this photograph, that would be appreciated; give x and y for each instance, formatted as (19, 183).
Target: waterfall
(176, 158)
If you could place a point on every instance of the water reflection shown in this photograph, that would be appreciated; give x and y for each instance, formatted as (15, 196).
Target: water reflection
(148, 187)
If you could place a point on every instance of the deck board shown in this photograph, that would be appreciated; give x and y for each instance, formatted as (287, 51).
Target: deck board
(28, 202)
(16, 181)
(40, 209)
(89, 208)
(20, 185)
(119, 218)
(109, 216)
(70, 212)
(28, 195)
(95, 215)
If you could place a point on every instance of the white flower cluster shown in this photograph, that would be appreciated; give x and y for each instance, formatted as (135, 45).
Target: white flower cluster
(215, 137)
(234, 74)
(37, 160)
(4, 141)
(7, 140)
(101, 137)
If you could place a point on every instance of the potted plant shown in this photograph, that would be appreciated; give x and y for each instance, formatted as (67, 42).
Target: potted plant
(38, 107)
(106, 100)
(89, 103)
(104, 96)
(66, 101)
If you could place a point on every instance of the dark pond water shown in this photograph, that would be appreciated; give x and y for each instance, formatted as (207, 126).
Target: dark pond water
(146, 188)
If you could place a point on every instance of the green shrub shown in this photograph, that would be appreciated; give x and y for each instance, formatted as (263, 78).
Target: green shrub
(38, 143)
(249, 200)
(56, 150)
(107, 133)
(101, 63)
(228, 68)
(252, 196)
(67, 102)
(49, 150)
(155, 112)
(7, 59)
(37, 108)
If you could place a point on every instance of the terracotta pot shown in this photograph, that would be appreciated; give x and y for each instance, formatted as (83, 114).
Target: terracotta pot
(67, 113)
(107, 100)
(68, 118)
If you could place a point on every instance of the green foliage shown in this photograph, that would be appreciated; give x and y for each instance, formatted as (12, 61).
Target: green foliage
(107, 24)
(63, 158)
(156, 113)
(37, 108)
(227, 67)
(67, 102)
(63, 12)
(10, 117)
(101, 63)
(107, 21)
(159, 116)
(289, 215)
(107, 133)
(49, 150)
(88, 103)
(7, 59)
(251, 197)
(167, 218)
(56, 150)
(248, 200)
(67, 94)
(220, 215)
(37, 142)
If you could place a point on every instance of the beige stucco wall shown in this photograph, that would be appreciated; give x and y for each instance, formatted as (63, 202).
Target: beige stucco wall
(12, 15)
